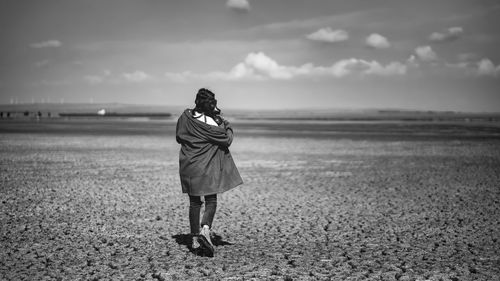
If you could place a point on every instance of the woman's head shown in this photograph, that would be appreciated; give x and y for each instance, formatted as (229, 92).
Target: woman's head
(205, 102)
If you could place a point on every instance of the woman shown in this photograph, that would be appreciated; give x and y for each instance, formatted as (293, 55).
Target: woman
(205, 163)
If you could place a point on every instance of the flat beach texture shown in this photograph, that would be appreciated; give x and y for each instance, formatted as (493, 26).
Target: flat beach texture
(101, 200)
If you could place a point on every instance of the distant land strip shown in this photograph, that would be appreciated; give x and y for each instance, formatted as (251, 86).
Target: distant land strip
(114, 114)
(379, 118)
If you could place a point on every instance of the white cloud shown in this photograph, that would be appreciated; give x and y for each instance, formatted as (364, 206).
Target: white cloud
(393, 68)
(179, 77)
(357, 66)
(377, 41)
(98, 79)
(412, 60)
(450, 34)
(328, 35)
(40, 64)
(93, 79)
(456, 30)
(425, 53)
(258, 66)
(137, 76)
(485, 67)
(351, 19)
(46, 44)
(238, 5)
(264, 65)
(107, 77)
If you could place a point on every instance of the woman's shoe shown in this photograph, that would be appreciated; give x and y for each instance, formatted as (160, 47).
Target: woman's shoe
(205, 232)
(195, 245)
(205, 240)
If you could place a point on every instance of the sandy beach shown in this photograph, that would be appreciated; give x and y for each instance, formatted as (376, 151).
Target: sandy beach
(401, 201)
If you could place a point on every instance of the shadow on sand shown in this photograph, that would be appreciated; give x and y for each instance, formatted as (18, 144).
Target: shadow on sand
(187, 239)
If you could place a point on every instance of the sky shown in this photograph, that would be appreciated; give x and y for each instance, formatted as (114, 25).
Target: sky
(254, 54)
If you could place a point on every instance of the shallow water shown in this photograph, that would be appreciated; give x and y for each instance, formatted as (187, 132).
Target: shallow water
(368, 130)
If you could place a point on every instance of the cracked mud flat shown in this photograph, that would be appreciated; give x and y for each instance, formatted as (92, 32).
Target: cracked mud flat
(109, 207)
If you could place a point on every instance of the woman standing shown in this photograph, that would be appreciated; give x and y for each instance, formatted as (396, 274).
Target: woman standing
(205, 163)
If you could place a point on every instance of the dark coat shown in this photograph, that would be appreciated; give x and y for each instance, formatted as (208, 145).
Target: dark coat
(205, 163)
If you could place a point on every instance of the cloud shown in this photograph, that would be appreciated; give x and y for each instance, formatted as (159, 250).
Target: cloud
(107, 77)
(425, 53)
(137, 76)
(40, 64)
(258, 66)
(412, 60)
(179, 77)
(355, 20)
(263, 65)
(393, 68)
(328, 35)
(448, 35)
(98, 79)
(377, 41)
(93, 79)
(238, 5)
(46, 44)
(485, 67)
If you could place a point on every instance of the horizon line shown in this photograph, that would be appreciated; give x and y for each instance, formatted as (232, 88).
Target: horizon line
(345, 108)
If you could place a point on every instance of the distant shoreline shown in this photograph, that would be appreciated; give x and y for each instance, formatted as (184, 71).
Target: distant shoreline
(115, 110)
(382, 118)
(114, 115)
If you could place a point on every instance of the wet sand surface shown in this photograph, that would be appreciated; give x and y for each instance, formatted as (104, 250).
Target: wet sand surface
(87, 200)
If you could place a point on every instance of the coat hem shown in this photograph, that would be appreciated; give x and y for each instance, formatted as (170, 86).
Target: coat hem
(210, 193)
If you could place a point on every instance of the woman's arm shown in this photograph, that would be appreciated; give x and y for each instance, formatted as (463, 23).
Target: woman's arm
(223, 139)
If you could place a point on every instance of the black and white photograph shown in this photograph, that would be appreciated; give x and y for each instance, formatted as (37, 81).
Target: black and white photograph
(232, 140)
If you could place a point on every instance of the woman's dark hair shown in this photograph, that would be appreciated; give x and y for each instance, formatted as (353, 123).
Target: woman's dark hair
(206, 103)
